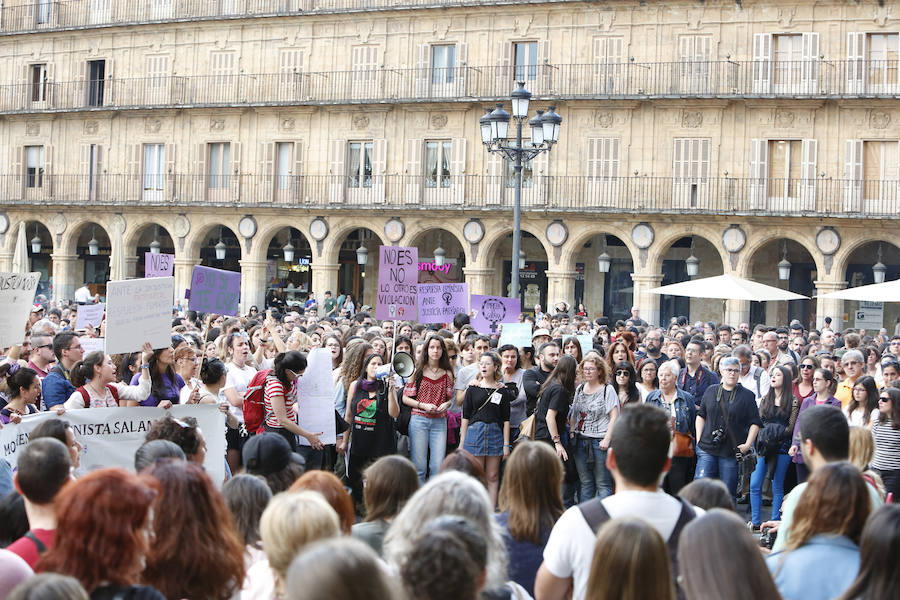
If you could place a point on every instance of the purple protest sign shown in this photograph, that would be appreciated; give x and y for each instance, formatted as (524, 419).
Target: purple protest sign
(159, 265)
(440, 302)
(398, 274)
(215, 291)
(491, 310)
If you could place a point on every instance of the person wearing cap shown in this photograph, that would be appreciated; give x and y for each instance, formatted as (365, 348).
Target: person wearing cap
(727, 424)
(37, 313)
(540, 337)
(269, 455)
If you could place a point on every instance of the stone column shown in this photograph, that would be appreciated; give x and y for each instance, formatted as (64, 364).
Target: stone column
(325, 278)
(737, 312)
(560, 287)
(65, 267)
(6, 261)
(647, 303)
(184, 268)
(253, 285)
(131, 266)
(479, 279)
(829, 307)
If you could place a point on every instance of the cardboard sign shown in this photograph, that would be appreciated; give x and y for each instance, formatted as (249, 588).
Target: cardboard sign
(440, 302)
(315, 397)
(398, 276)
(110, 436)
(17, 292)
(159, 265)
(215, 291)
(492, 310)
(517, 334)
(587, 343)
(138, 311)
(89, 314)
(92, 344)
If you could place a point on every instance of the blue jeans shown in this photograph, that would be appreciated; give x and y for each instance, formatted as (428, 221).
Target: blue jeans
(718, 467)
(427, 434)
(590, 461)
(756, 481)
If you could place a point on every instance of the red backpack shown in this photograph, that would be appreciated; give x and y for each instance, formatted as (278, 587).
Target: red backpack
(87, 397)
(254, 404)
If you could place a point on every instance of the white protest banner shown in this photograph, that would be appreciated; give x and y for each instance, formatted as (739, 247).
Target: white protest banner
(17, 292)
(89, 314)
(315, 397)
(587, 343)
(138, 311)
(517, 334)
(90, 344)
(111, 436)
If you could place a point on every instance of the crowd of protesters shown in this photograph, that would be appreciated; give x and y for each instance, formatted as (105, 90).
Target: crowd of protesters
(692, 461)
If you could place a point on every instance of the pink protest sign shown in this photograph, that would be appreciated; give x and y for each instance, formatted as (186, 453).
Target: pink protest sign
(159, 265)
(215, 291)
(398, 274)
(440, 302)
(489, 311)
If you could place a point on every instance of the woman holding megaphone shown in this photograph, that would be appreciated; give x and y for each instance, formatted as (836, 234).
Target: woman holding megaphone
(370, 412)
(429, 392)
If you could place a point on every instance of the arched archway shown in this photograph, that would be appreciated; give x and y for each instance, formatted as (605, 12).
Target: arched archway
(39, 243)
(533, 265)
(674, 263)
(431, 243)
(220, 248)
(858, 270)
(90, 242)
(763, 267)
(603, 265)
(360, 279)
(149, 238)
(288, 267)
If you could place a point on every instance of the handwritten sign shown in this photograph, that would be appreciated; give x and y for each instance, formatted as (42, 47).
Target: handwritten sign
(159, 265)
(138, 311)
(398, 274)
(110, 436)
(440, 302)
(92, 344)
(492, 310)
(89, 314)
(215, 291)
(17, 292)
(315, 397)
(517, 334)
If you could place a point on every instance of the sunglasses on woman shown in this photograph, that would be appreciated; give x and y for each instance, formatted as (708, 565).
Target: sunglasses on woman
(623, 372)
(807, 366)
(884, 398)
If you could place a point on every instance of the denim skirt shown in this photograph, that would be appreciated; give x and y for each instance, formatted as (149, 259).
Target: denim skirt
(484, 439)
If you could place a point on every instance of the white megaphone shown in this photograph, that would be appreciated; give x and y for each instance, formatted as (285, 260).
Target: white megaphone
(403, 364)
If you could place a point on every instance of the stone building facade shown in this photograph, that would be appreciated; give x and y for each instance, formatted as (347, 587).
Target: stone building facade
(743, 133)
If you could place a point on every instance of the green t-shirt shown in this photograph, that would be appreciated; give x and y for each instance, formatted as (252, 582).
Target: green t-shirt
(330, 303)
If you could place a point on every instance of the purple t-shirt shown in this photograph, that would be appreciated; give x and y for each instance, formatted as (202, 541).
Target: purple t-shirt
(169, 391)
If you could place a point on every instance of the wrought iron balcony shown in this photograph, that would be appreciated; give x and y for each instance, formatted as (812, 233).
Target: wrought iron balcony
(577, 194)
(635, 81)
(27, 16)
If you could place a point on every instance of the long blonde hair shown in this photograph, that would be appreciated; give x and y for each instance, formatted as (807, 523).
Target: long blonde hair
(631, 562)
(531, 490)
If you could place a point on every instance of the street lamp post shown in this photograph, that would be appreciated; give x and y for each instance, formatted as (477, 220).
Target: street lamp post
(494, 132)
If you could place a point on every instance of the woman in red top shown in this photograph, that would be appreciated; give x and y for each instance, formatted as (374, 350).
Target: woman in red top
(279, 397)
(428, 392)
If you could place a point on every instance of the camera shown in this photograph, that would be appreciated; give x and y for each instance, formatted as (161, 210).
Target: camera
(767, 538)
(718, 436)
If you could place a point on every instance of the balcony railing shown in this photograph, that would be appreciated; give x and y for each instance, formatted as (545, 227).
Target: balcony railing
(44, 15)
(639, 195)
(466, 83)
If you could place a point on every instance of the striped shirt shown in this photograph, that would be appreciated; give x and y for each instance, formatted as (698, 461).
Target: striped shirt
(887, 446)
(276, 388)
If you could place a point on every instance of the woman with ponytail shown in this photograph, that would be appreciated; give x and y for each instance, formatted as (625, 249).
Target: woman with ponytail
(213, 374)
(94, 378)
(24, 392)
(280, 395)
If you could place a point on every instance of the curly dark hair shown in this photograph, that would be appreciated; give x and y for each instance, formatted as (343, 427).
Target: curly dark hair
(183, 432)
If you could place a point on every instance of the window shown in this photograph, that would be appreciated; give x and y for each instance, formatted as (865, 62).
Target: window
(43, 11)
(219, 164)
(694, 57)
(284, 164)
(157, 79)
(443, 61)
(365, 70)
(39, 82)
(788, 51)
(880, 165)
(96, 81)
(603, 158)
(883, 57)
(437, 164)
(691, 171)
(34, 166)
(359, 168)
(608, 63)
(525, 56)
(527, 171)
(154, 168)
(785, 168)
(222, 72)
